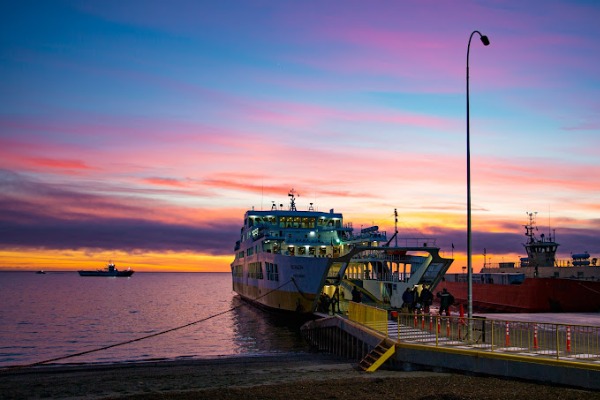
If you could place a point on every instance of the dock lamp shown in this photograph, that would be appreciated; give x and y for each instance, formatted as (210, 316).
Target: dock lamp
(486, 42)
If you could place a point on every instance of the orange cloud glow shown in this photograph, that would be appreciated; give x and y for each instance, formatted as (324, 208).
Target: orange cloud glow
(72, 260)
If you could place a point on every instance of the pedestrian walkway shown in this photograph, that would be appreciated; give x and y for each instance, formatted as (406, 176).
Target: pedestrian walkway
(525, 341)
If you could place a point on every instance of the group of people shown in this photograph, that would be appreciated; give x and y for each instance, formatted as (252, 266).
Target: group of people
(331, 304)
(327, 303)
(412, 300)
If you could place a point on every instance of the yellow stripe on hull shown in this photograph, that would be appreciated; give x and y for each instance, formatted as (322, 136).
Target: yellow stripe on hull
(277, 299)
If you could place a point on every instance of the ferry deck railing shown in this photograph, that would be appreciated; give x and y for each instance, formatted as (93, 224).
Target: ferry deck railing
(567, 342)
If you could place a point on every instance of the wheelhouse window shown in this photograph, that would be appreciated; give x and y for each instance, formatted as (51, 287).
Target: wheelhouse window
(308, 223)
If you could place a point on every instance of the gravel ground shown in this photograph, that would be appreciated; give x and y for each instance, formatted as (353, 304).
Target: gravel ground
(299, 376)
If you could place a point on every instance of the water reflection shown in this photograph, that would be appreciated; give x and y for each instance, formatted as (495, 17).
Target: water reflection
(259, 331)
(57, 314)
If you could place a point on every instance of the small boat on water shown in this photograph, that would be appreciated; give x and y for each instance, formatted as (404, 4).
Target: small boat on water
(110, 270)
(40, 272)
(286, 259)
(538, 283)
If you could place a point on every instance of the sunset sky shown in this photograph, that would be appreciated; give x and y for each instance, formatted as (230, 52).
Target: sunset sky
(141, 131)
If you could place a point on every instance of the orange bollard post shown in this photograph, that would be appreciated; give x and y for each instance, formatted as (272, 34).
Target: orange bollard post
(507, 341)
(568, 339)
(416, 321)
(423, 321)
(430, 323)
(535, 336)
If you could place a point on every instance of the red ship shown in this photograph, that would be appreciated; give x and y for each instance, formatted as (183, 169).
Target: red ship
(539, 283)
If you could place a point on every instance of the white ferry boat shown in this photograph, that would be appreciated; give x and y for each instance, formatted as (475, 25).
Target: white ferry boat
(287, 258)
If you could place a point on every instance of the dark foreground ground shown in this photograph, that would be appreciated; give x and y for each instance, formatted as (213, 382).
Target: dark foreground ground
(310, 376)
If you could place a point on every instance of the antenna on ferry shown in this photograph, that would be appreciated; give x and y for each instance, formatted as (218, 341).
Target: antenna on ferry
(291, 194)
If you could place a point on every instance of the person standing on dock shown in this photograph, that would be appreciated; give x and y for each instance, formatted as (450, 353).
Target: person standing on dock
(335, 302)
(426, 299)
(446, 300)
(407, 300)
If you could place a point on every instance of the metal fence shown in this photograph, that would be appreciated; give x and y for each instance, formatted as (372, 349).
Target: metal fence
(535, 339)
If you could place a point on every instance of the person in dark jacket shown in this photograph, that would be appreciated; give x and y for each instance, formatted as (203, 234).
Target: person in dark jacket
(407, 299)
(426, 299)
(446, 300)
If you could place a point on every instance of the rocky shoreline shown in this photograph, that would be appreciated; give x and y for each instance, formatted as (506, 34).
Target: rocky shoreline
(283, 376)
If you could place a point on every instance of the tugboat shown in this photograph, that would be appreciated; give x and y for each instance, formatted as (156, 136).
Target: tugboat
(286, 259)
(538, 283)
(110, 270)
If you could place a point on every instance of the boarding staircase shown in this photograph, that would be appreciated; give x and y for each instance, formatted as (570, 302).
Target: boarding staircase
(376, 357)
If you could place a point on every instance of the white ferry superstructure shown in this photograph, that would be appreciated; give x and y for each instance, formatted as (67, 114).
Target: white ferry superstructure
(286, 258)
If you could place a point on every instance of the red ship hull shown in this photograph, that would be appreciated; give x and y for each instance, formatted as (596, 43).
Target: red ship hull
(533, 295)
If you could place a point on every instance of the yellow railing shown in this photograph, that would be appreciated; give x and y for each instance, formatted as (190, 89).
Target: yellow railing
(373, 317)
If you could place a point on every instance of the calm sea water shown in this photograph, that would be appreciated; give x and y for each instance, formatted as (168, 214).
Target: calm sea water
(53, 315)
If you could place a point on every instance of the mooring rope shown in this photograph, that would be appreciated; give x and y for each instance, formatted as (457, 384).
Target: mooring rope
(137, 339)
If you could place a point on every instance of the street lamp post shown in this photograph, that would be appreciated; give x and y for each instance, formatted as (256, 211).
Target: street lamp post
(486, 42)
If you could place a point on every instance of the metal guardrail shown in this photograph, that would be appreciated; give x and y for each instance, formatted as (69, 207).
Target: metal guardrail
(535, 339)
(373, 317)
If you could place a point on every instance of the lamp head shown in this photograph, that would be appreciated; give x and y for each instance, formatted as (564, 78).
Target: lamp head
(485, 40)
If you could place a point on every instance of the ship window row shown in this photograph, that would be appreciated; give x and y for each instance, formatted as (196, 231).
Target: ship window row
(272, 272)
(294, 222)
(251, 250)
(297, 222)
(284, 222)
(551, 249)
(241, 254)
(255, 270)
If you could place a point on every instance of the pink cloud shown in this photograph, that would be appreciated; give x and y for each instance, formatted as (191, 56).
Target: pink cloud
(171, 182)
(60, 164)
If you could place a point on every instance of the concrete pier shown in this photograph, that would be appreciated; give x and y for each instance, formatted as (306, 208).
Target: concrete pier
(342, 337)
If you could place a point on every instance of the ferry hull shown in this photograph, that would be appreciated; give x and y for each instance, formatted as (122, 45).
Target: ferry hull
(278, 300)
(296, 289)
(534, 295)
